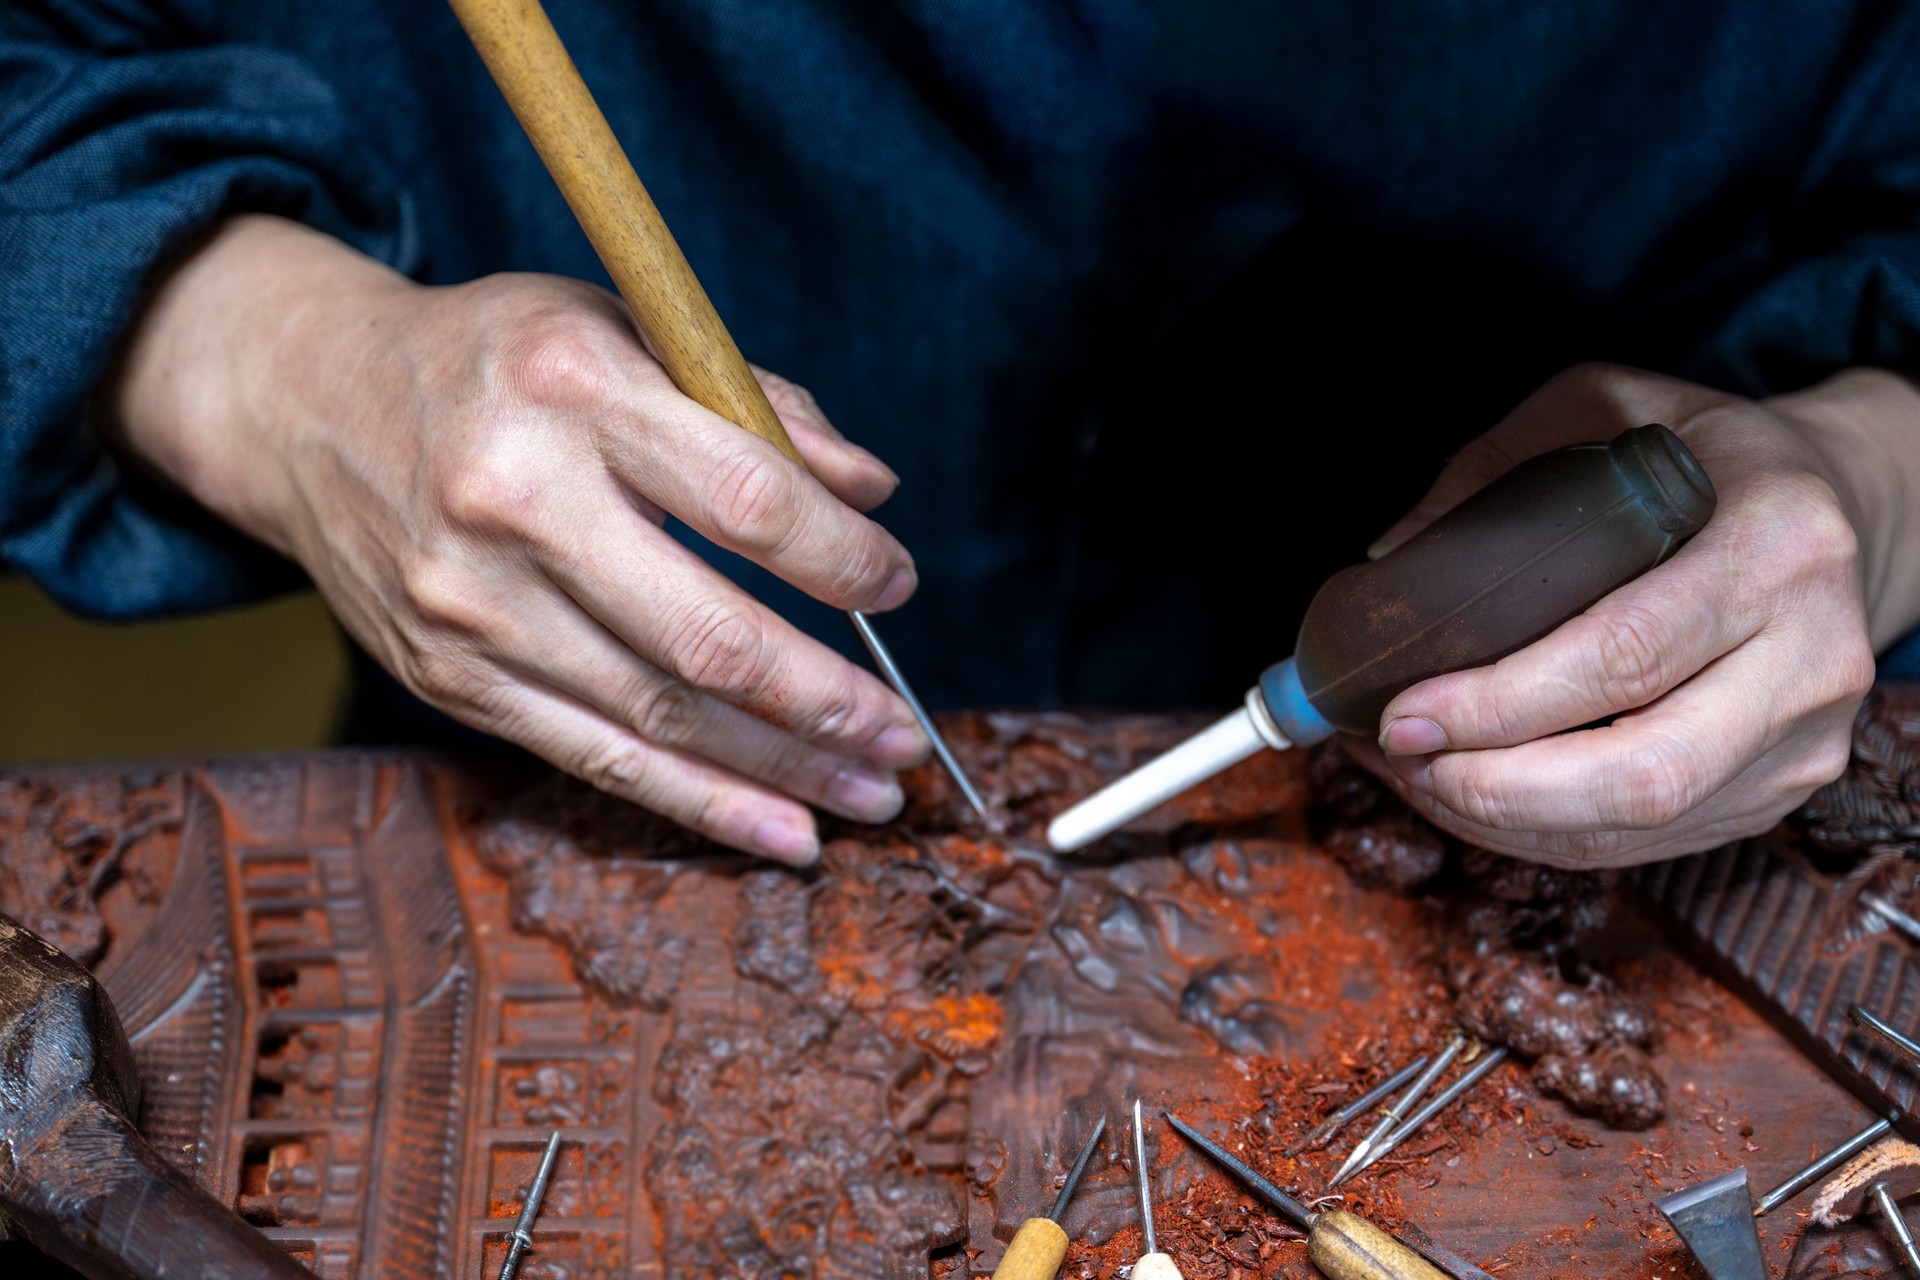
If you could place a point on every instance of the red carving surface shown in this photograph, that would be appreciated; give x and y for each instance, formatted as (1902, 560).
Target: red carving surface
(362, 988)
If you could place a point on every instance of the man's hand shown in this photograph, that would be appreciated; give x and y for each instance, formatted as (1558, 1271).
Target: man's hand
(477, 477)
(1728, 677)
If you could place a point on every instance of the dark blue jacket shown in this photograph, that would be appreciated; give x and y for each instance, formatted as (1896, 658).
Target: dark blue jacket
(1162, 310)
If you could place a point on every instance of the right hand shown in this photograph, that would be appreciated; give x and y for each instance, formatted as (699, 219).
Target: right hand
(476, 478)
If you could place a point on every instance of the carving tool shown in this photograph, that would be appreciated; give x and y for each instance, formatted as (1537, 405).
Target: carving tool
(1824, 1165)
(1342, 1244)
(1323, 1133)
(1863, 1017)
(1896, 1225)
(1401, 1107)
(1152, 1264)
(1892, 914)
(1472, 1076)
(520, 1239)
(1533, 549)
(1711, 1218)
(524, 54)
(1041, 1243)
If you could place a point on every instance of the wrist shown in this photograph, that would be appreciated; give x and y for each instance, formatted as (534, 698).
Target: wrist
(231, 359)
(1863, 429)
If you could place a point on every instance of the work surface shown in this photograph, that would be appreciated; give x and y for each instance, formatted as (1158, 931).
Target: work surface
(364, 987)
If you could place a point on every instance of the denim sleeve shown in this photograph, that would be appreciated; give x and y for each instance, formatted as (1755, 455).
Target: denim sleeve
(121, 138)
(1833, 281)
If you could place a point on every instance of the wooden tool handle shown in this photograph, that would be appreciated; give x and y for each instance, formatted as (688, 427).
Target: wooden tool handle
(1035, 1253)
(539, 81)
(1156, 1266)
(1346, 1246)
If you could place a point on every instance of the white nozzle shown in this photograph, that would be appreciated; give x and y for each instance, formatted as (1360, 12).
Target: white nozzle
(1222, 746)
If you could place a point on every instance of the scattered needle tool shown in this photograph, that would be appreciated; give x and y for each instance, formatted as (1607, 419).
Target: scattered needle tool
(1343, 1245)
(1893, 915)
(1896, 1225)
(524, 54)
(1393, 1115)
(521, 1238)
(1041, 1243)
(1441, 1101)
(1323, 1133)
(1152, 1264)
(1824, 1165)
(1862, 1017)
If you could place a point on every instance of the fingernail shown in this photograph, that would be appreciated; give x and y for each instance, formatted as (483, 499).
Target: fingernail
(899, 587)
(900, 746)
(862, 791)
(1412, 736)
(1381, 546)
(789, 842)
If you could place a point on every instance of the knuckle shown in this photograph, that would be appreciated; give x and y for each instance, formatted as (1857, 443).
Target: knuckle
(1501, 708)
(492, 490)
(442, 596)
(1659, 790)
(1823, 764)
(862, 573)
(1827, 538)
(1799, 520)
(787, 396)
(833, 714)
(1858, 672)
(446, 680)
(556, 356)
(720, 648)
(1592, 381)
(663, 711)
(617, 767)
(1635, 656)
(1582, 850)
(753, 500)
(1853, 670)
(1478, 799)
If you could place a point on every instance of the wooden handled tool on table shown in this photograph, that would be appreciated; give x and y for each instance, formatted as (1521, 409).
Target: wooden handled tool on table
(1151, 1264)
(1036, 1251)
(1343, 1245)
(523, 52)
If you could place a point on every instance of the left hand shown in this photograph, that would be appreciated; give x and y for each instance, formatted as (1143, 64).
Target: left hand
(1731, 673)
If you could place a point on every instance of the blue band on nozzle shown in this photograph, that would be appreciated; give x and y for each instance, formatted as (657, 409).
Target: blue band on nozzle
(1287, 702)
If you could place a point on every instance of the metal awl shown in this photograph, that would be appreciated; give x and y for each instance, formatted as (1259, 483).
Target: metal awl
(863, 627)
(1402, 1106)
(521, 1238)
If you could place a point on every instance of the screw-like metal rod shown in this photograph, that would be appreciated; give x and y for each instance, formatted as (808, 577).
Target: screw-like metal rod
(883, 659)
(1895, 916)
(1298, 1213)
(1862, 1017)
(1897, 1225)
(1393, 1115)
(1821, 1167)
(1079, 1167)
(521, 1238)
(1140, 1172)
(1440, 1102)
(1323, 1132)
